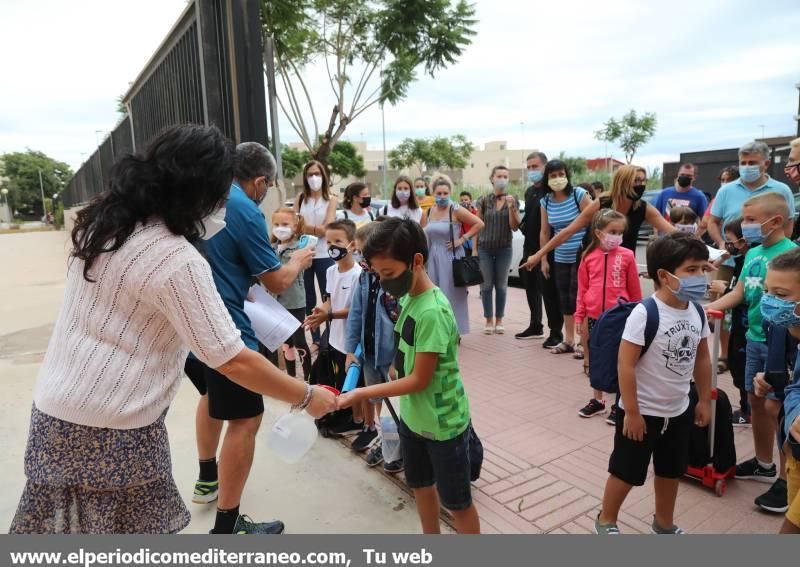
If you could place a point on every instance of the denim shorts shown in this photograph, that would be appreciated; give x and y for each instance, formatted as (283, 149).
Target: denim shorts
(374, 376)
(756, 362)
(445, 464)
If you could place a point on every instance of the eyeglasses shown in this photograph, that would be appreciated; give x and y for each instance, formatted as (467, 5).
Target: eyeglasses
(789, 166)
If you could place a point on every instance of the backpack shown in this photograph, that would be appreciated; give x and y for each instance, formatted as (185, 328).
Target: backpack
(606, 337)
(724, 445)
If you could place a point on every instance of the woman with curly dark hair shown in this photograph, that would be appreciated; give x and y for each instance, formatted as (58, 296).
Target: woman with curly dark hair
(138, 297)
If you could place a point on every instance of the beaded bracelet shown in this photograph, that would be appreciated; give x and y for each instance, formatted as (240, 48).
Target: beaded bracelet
(306, 399)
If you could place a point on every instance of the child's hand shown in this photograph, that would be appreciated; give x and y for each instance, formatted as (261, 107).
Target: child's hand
(392, 373)
(350, 359)
(345, 401)
(762, 388)
(634, 427)
(718, 287)
(317, 317)
(702, 414)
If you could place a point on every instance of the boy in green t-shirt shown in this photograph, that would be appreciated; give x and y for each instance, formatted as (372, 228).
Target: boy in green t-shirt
(439, 446)
(763, 220)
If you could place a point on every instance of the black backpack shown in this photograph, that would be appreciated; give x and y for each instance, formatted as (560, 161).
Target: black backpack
(724, 445)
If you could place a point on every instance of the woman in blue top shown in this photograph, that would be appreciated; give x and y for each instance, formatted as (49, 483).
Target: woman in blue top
(561, 205)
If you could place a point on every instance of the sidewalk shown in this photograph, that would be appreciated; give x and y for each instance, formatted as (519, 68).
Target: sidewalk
(545, 467)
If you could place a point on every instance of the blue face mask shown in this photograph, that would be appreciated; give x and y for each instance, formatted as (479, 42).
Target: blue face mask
(535, 176)
(780, 311)
(749, 173)
(752, 234)
(442, 201)
(692, 288)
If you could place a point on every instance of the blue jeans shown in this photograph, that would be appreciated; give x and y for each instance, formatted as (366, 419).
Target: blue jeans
(319, 267)
(756, 362)
(494, 267)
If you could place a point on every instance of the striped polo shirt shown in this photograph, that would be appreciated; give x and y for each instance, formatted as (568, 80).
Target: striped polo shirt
(560, 215)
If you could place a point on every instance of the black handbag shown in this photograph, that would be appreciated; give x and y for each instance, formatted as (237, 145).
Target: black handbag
(466, 270)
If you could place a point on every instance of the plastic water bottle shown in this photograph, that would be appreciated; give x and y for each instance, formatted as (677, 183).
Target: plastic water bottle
(390, 439)
(292, 436)
(353, 373)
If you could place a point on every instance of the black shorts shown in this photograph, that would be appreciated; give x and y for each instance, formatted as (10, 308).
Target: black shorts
(566, 276)
(669, 448)
(226, 399)
(443, 463)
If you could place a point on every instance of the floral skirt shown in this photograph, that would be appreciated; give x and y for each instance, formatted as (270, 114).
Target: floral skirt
(92, 480)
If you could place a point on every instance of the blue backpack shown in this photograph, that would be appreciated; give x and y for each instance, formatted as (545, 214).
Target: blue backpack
(606, 338)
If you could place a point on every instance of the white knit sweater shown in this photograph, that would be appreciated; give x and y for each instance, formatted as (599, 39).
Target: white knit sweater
(117, 352)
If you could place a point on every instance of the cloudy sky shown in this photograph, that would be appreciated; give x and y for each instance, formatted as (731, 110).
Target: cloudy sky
(716, 72)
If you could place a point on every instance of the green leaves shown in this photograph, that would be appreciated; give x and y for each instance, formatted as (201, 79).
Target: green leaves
(343, 161)
(21, 172)
(629, 132)
(372, 50)
(431, 154)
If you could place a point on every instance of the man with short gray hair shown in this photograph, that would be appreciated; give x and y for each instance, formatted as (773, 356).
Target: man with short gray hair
(754, 160)
(240, 255)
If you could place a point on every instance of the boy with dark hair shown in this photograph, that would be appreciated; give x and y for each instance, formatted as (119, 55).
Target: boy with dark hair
(465, 199)
(342, 280)
(440, 449)
(781, 306)
(654, 418)
(763, 220)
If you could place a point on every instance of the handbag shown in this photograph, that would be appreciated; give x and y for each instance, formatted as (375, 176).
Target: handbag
(466, 270)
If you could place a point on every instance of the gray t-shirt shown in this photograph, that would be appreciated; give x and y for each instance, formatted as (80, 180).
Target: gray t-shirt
(294, 297)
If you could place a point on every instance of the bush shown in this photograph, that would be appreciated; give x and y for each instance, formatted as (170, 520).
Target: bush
(60, 215)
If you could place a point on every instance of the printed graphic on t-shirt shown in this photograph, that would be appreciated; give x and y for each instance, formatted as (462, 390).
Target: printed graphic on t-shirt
(683, 338)
(756, 271)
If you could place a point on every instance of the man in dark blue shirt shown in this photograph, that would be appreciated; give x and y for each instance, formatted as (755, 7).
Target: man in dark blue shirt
(240, 255)
(682, 194)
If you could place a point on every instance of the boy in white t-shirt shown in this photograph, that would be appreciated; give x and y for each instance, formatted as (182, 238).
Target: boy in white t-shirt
(341, 282)
(654, 417)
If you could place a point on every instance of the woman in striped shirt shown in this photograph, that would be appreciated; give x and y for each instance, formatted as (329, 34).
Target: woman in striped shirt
(561, 205)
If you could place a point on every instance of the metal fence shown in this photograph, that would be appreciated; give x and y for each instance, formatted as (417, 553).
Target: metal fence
(208, 70)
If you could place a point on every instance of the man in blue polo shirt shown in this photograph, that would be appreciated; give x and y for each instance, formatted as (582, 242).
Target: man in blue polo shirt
(240, 255)
(682, 194)
(753, 180)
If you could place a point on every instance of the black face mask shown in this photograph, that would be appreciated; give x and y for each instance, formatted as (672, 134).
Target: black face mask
(337, 252)
(731, 249)
(365, 202)
(684, 181)
(399, 286)
(638, 191)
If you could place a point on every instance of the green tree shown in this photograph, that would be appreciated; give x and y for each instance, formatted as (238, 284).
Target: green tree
(576, 165)
(372, 51)
(344, 161)
(431, 154)
(630, 132)
(122, 110)
(19, 173)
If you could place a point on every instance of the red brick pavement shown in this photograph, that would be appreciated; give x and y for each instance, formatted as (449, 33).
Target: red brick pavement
(545, 467)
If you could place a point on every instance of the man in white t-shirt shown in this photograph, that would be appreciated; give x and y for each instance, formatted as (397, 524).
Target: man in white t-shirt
(654, 417)
(342, 280)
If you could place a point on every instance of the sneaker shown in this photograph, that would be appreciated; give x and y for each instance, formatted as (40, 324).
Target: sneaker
(488, 330)
(499, 330)
(740, 419)
(611, 418)
(751, 470)
(364, 440)
(529, 334)
(246, 526)
(775, 499)
(551, 341)
(345, 426)
(658, 530)
(605, 529)
(205, 492)
(593, 408)
(394, 467)
(375, 456)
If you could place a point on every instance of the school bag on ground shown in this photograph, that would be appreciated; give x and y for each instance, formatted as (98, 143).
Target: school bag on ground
(724, 445)
(606, 338)
(324, 372)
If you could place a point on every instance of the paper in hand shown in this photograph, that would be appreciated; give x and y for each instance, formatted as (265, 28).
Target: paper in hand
(270, 320)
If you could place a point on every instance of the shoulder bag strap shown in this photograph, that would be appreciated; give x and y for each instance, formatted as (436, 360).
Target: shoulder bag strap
(452, 239)
(651, 325)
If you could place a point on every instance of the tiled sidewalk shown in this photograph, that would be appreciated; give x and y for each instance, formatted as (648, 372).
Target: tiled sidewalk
(545, 467)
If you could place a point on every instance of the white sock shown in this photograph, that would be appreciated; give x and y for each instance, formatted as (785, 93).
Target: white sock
(765, 465)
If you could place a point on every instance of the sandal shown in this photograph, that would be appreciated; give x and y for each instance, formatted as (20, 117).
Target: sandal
(563, 348)
(722, 365)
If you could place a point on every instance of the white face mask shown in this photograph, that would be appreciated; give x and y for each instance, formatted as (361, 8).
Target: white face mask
(403, 195)
(213, 223)
(282, 233)
(315, 182)
(690, 228)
